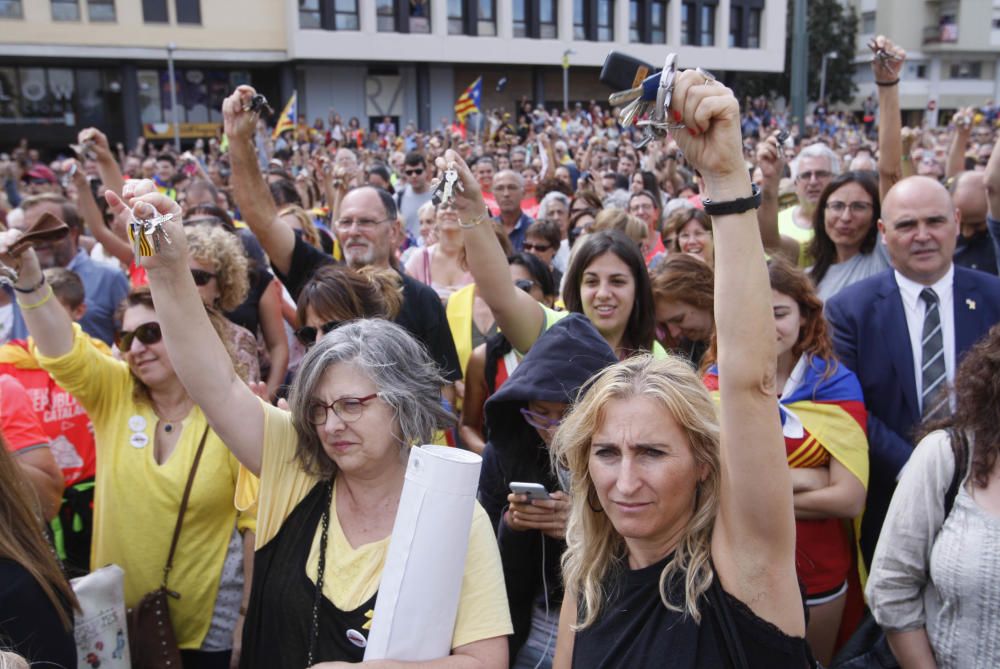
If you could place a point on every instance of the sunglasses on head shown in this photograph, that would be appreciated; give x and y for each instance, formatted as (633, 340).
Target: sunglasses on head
(307, 335)
(201, 277)
(147, 333)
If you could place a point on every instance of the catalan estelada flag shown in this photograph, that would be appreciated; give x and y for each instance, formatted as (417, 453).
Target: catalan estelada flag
(468, 101)
(288, 117)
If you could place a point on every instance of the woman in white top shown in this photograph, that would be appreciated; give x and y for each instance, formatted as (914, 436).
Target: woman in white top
(441, 265)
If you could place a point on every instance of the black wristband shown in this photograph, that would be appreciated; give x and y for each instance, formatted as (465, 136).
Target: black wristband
(38, 285)
(734, 206)
(887, 83)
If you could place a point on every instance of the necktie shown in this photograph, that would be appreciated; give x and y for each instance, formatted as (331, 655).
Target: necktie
(933, 398)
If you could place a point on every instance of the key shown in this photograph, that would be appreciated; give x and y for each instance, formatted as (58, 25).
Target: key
(782, 138)
(881, 55)
(450, 179)
(665, 92)
(258, 104)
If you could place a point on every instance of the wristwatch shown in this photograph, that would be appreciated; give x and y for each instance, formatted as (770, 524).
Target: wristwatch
(733, 206)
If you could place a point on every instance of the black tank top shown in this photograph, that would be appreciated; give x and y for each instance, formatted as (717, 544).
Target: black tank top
(635, 630)
(278, 624)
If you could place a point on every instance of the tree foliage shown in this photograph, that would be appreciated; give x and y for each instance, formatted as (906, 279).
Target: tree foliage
(832, 27)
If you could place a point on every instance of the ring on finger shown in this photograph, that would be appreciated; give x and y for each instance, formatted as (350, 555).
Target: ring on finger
(709, 77)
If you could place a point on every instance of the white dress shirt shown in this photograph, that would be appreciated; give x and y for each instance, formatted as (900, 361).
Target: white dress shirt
(916, 309)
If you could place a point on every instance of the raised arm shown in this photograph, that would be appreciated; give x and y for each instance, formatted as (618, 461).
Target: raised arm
(112, 243)
(771, 166)
(48, 322)
(107, 166)
(517, 313)
(753, 545)
(890, 143)
(959, 142)
(249, 188)
(197, 355)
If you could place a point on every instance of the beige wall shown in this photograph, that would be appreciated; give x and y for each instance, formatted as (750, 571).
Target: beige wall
(226, 24)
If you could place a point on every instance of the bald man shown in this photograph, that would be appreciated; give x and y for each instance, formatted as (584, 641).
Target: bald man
(904, 331)
(974, 248)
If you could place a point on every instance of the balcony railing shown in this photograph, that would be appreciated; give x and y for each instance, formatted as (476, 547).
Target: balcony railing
(945, 33)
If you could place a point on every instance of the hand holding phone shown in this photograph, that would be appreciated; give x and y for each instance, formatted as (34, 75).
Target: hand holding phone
(534, 491)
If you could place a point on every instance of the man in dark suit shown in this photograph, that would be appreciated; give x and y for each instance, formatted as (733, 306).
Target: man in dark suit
(904, 331)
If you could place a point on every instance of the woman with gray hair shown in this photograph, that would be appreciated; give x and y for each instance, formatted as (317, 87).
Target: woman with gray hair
(331, 474)
(555, 207)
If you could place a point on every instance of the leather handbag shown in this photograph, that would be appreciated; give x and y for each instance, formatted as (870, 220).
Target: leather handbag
(152, 641)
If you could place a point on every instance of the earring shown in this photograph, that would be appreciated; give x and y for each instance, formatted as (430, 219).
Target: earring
(590, 502)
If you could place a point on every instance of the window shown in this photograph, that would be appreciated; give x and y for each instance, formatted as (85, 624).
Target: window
(579, 27)
(420, 16)
(688, 16)
(101, 10)
(520, 10)
(385, 15)
(605, 21)
(753, 28)
(736, 26)
(65, 10)
(345, 15)
(867, 22)
(547, 25)
(633, 21)
(707, 34)
(920, 71)
(309, 14)
(154, 11)
(965, 70)
(189, 11)
(456, 17)
(10, 9)
(486, 20)
(658, 22)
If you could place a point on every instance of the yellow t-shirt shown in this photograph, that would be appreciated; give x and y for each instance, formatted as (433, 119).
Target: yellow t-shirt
(789, 228)
(552, 317)
(136, 500)
(356, 572)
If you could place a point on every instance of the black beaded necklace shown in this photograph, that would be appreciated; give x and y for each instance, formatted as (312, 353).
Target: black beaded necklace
(325, 523)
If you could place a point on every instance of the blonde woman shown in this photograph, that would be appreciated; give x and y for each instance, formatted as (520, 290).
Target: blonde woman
(441, 265)
(298, 218)
(219, 268)
(678, 555)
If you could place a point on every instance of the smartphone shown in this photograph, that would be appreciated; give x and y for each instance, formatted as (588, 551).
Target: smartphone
(534, 491)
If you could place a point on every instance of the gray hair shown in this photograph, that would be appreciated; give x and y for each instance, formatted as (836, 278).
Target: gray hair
(817, 150)
(517, 177)
(550, 197)
(404, 375)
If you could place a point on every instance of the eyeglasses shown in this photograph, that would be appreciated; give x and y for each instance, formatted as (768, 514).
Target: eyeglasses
(818, 175)
(347, 409)
(201, 277)
(855, 207)
(541, 248)
(538, 421)
(147, 333)
(365, 224)
(307, 334)
(525, 284)
(641, 206)
(416, 172)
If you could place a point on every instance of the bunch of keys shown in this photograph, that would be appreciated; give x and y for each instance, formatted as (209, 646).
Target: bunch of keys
(782, 138)
(146, 234)
(84, 150)
(651, 97)
(67, 177)
(881, 55)
(445, 189)
(258, 105)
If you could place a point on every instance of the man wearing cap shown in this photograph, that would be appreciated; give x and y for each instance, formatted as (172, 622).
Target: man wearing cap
(40, 179)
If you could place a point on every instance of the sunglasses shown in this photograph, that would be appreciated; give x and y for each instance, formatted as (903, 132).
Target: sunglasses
(525, 284)
(307, 335)
(411, 173)
(538, 421)
(201, 277)
(147, 333)
(541, 248)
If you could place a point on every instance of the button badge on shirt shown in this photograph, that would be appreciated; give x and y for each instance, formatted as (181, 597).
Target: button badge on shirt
(138, 425)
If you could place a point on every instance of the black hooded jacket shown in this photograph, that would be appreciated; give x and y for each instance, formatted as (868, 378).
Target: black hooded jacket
(558, 364)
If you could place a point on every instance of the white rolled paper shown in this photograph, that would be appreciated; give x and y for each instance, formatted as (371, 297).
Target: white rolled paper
(422, 579)
(100, 628)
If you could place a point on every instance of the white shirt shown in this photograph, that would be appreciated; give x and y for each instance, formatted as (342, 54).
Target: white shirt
(916, 309)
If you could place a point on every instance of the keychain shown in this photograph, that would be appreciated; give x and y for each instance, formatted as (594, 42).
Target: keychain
(146, 234)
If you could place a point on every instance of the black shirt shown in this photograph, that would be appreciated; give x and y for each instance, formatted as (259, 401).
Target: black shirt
(29, 622)
(634, 630)
(976, 252)
(421, 314)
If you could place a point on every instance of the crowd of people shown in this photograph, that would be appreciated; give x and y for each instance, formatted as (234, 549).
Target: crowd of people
(758, 379)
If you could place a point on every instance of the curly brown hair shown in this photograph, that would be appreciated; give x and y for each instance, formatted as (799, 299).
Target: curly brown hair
(977, 405)
(214, 247)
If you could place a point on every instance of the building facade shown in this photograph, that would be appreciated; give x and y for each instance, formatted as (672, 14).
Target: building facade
(68, 64)
(952, 47)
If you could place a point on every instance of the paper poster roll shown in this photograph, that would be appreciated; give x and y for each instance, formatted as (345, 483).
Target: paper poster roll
(100, 627)
(422, 578)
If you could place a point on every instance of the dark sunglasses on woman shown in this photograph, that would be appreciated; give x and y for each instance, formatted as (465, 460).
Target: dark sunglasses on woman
(307, 335)
(201, 277)
(147, 333)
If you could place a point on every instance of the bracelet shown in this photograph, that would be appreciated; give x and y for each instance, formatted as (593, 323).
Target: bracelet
(36, 305)
(734, 206)
(476, 222)
(41, 282)
(887, 83)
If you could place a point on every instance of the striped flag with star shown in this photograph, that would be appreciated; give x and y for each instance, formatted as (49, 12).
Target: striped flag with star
(469, 100)
(288, 117)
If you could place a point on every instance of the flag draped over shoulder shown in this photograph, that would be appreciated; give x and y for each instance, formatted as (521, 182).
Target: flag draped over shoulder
(287, 119)
(469, 100)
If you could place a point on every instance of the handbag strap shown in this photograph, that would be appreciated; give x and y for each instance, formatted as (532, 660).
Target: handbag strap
(183, 508)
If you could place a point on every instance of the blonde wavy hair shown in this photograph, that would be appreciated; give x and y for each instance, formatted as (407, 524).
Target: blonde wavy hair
(618, 219)
(594, 546)
(310, 234)
(214, 247)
